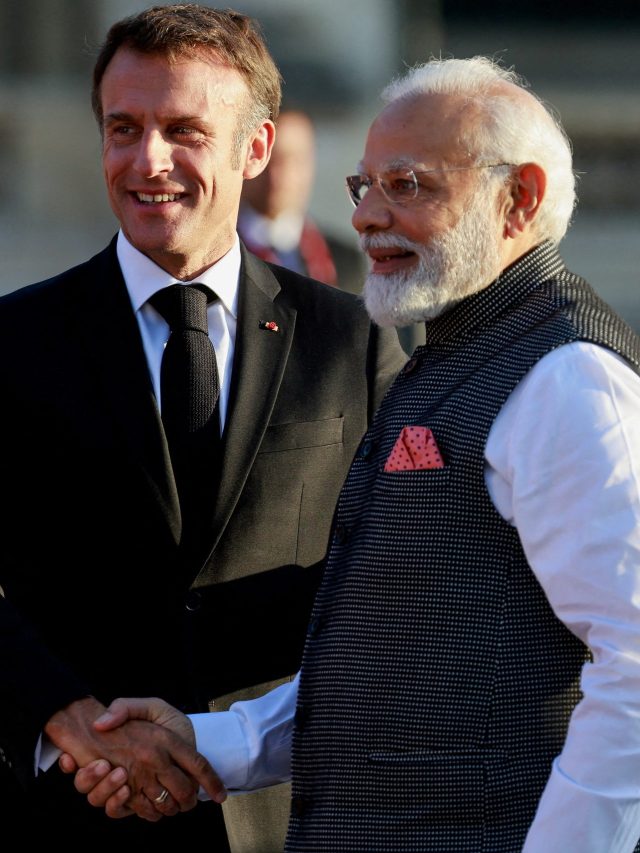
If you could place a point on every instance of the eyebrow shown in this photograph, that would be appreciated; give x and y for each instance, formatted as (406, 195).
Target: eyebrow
(111, 117)
(122, 116)
(392, 165)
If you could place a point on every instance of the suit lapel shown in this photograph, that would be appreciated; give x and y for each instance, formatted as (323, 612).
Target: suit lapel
(110, 336)
(258, 365)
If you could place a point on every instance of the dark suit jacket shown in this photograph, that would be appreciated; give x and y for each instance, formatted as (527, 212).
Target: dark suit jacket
(97, 597)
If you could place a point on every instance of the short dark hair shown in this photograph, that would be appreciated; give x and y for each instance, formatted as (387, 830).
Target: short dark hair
(188, 29)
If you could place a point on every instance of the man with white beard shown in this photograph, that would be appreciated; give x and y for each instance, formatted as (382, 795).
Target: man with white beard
(470, 676)
(449, 268)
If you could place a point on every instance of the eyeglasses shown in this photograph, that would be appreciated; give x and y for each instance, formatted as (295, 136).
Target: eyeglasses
(400, 185)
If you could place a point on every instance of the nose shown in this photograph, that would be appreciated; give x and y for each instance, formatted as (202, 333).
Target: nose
(373, 213)
(154, 155)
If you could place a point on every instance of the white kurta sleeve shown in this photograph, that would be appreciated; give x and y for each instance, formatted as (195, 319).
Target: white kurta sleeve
(563, 466)
(249, 746)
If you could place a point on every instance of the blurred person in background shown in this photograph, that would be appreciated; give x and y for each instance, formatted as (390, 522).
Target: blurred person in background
(274, 221)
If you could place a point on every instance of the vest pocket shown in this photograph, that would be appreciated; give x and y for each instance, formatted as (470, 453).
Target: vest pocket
(430, 757)
(448, 790)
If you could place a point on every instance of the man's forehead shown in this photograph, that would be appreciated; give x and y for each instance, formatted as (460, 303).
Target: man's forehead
(202, 74)
(418, 129)
(426, 113)
(202, 61)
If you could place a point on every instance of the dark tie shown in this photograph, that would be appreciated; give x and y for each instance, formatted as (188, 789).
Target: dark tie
(189, 390)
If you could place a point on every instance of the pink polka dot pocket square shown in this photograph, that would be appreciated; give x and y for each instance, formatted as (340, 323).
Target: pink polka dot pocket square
(415, 449)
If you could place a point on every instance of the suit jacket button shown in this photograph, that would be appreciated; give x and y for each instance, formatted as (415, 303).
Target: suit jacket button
(193, 600)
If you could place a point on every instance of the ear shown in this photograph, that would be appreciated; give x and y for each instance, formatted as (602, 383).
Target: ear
(524, 199)
(258, 149)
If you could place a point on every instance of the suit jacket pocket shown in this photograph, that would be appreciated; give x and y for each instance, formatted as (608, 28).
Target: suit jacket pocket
(298, 435)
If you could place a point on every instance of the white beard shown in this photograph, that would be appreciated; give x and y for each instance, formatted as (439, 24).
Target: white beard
(455, 265)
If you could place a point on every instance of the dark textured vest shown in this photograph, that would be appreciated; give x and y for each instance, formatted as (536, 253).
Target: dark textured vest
(437, 683)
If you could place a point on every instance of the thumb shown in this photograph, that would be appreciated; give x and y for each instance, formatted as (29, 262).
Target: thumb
(121, 710)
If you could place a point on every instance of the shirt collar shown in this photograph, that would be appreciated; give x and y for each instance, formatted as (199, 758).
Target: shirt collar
(282, 233)
(143, 277)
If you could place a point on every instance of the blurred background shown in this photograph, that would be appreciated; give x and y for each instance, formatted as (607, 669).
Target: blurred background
(581, 56)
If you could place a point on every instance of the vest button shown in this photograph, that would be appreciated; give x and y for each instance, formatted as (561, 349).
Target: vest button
(314, 625)
(301, 716)
(410, 366)
(341, 534)
(193, 600)
(365, 448)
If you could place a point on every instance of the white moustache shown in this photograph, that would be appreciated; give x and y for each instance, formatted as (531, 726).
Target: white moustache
(388, 241)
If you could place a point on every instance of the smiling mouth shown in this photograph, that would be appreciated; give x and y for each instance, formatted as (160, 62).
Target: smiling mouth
(379, 256)
(157, 198)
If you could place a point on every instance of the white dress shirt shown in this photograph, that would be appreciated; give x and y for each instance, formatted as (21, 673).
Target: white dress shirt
(563, 467)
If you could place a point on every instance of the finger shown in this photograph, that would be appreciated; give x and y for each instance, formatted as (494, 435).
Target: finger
(200, 771)
(197, 768)
(116, 714)
(67, 763)
(116, 806)
(182, 789)
(88, 777)
(168, 807)
(102, 791)
(143, 807)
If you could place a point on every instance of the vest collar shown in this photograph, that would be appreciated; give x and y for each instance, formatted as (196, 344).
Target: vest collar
(511, 286)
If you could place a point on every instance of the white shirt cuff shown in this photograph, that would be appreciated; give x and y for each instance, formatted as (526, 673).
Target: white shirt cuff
(220, 738)
(46, 754)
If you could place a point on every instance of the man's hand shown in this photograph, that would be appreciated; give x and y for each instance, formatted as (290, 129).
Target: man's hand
(148, 757)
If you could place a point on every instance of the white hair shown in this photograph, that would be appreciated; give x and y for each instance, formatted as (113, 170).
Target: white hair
(513, 129)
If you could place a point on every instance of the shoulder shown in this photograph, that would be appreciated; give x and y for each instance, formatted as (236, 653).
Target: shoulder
(574, 368)
(581, 384)
(301, 292)
(41, 301)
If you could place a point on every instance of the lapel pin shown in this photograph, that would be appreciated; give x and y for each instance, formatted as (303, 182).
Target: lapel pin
(270, 325)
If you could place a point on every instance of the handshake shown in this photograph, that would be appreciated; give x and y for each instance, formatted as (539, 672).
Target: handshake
(136, 757)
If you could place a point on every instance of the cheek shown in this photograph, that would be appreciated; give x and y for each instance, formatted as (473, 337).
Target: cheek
(201, 178)
(420, 228)
(113, 166)
(435, 221)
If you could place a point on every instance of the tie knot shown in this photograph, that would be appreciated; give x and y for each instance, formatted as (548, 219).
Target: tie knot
(183, 306)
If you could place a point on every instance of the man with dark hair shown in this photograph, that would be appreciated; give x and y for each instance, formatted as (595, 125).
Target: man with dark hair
(470, 676)
(184, 527)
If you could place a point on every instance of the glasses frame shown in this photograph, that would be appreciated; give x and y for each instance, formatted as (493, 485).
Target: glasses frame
(378, 179)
